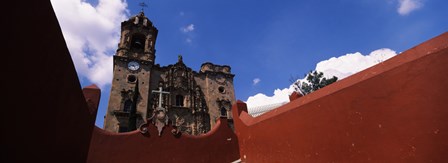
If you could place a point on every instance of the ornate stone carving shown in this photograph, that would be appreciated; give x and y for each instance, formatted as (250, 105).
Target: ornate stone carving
(180, 80)
(199, 102)
(159, 117)
(180, 76)
(160, 120)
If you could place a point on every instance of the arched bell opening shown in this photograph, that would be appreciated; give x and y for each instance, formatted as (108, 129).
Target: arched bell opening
(138, 42)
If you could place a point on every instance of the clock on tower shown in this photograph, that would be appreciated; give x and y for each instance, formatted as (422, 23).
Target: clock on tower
(133, 62)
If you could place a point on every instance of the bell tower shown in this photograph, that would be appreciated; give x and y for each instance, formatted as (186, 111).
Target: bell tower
(133, 61)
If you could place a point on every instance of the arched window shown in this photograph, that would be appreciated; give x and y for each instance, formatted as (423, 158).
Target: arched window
(127, 106)
(138, 42)
(179, 100)
(223, 112)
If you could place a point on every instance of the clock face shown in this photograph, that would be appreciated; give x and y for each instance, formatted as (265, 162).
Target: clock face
(133, 65)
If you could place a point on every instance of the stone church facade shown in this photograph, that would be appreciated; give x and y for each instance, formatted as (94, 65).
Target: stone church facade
(145, 92)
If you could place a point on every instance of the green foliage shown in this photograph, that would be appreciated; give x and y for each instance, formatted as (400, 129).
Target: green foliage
(315, 80)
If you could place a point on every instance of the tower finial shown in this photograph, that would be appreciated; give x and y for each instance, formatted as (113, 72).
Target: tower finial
(179, 58)
(142, 4)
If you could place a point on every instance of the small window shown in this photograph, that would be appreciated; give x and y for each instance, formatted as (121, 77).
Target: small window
(132, 78)
(179, 100)
(221, 89)
(223, 112)
(127, 106)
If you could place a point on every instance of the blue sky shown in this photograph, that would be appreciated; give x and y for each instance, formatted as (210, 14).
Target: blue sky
(265, 42)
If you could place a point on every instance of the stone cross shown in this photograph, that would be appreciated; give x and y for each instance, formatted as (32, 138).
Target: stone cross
(161, 118)
(160, 91)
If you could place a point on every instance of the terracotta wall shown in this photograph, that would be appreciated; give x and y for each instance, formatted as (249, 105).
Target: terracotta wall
(218, 145)
(396, 111)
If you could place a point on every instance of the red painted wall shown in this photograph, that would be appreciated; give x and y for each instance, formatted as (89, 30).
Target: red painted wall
(218, 145)
(396, 111)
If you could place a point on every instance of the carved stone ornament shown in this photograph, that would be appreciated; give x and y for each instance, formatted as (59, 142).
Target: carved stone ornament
(159, 116)
(160, 119)
(144, 128)
(199, 102)
(180, 79)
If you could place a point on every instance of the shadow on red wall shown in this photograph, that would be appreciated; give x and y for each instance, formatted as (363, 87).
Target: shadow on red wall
(46, 117)
(218, 145)
(396, 111)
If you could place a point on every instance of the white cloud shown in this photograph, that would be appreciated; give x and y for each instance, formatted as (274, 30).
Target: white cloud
(407, 6)
(256, 81)
(188, 28)
(188, 31)
(280, 96)
(92, 34)
(351, 63)
(340, 67)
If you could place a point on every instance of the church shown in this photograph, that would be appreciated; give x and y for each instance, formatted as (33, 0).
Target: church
(145, 92)
(49, 118)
